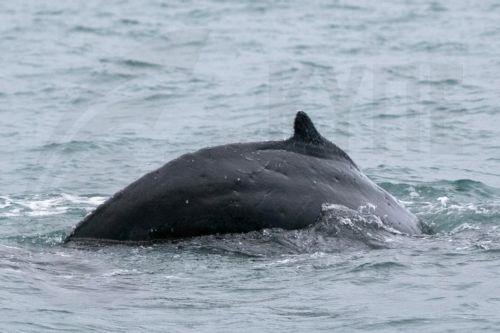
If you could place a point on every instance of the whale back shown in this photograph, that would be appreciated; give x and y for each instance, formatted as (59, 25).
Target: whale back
(242, 187)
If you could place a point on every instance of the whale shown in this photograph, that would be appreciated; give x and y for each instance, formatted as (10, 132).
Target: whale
(243, 187)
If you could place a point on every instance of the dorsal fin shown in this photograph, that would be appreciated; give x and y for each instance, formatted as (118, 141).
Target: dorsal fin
(304, 129)
(316, 145)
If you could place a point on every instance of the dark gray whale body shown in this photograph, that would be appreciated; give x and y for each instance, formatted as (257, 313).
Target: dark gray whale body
(240, 188)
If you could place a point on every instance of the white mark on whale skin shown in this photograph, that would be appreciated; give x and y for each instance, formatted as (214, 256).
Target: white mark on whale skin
(187, 201)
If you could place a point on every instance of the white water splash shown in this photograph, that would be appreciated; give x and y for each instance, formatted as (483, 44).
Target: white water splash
(443, 201)
(37, 206)
(362, 221)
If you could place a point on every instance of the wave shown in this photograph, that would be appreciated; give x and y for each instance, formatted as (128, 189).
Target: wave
(68, 147)
(39, 205)
(75, 146)
(453, 209)
(447, 205)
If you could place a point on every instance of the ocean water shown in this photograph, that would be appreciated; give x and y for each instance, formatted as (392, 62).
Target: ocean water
(93, 94)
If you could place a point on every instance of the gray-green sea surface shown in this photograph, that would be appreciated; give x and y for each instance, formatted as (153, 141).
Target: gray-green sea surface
(93, 94)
